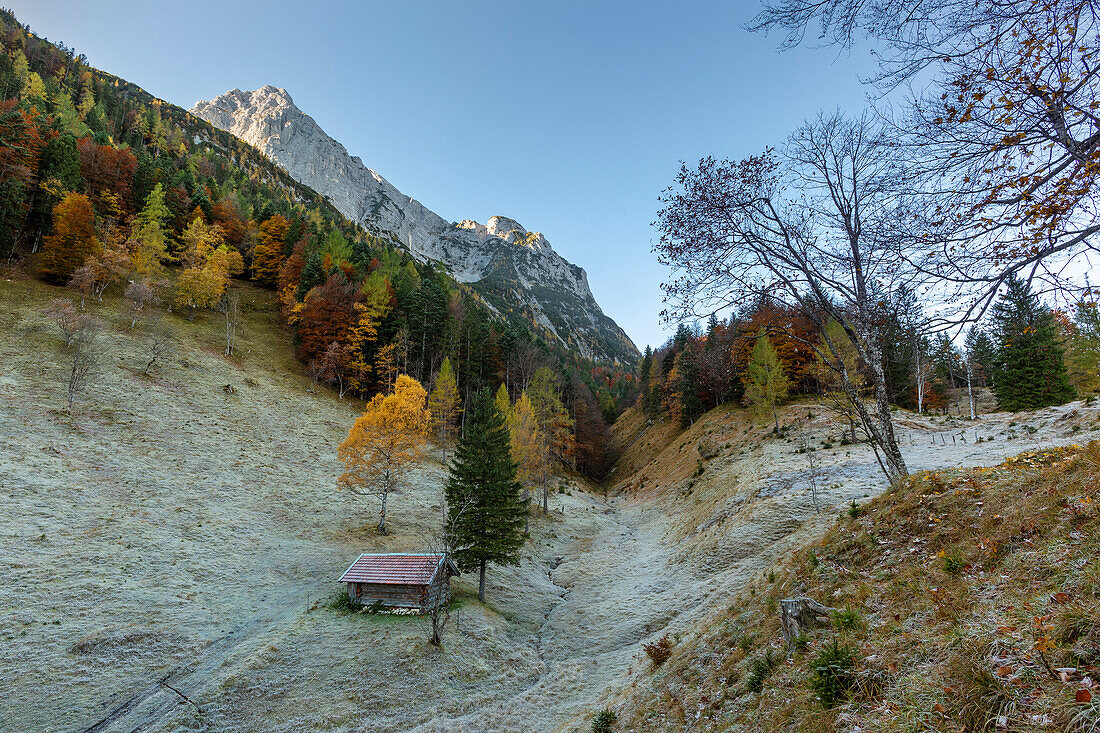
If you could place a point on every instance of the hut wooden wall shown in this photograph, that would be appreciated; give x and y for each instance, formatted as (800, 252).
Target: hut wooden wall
(399, 596)
(423, 597)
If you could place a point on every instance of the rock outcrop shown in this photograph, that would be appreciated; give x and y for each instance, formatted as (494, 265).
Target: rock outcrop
(514, 270)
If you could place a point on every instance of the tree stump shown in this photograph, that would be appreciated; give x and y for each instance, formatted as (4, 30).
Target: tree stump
(799, 615)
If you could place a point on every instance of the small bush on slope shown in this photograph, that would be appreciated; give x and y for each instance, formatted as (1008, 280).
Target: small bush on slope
(604, 721)
(660, 650)
(942, 646)
(833, 673)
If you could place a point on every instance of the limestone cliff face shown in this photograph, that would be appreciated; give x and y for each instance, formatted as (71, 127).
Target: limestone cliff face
(516, 271)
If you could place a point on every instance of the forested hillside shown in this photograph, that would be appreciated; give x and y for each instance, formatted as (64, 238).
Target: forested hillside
(105, 187)
(1028, 354)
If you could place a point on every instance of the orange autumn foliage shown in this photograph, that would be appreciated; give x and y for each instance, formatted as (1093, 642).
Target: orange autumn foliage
(73, 239)
(267, 259)
(326, 315)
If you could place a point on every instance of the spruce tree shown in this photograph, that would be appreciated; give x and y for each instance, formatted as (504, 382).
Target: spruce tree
(687, 385)
(485, 508)
(313, 274)
(980, 348)
(898, 332)
(1083, 354)
(1028, 371)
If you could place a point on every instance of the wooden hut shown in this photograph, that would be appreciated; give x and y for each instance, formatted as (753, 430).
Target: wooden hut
(401, 580)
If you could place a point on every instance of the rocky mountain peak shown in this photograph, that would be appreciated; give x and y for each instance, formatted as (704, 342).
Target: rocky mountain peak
(515, 270)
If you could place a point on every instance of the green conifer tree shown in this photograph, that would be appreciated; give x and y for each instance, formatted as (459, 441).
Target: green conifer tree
(312, 275)
(484, 505)
(1083, 354)
(687, 385)
(1028, 371)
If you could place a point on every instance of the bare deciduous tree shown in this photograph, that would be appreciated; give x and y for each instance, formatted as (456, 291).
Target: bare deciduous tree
(84, 354)
(69, 321)
(84, 280)
(800, 231)
(808, 451)
(443, 540)
(332, 367)
(229, 306)
(1003, 141)
(140, 295)
(159, 344)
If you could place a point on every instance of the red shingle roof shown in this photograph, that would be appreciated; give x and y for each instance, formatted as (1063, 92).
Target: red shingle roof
(396, 568)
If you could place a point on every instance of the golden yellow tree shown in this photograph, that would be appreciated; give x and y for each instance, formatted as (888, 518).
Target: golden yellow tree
(386, 364)
(444, 405)
(385, 442)
(225, 262)
(554, 420)
(199, 239)
(530, 448)
(364, 333)
(203, 284)
(504, 403)
(198, 287)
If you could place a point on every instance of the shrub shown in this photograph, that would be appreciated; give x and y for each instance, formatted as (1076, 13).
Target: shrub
(660, 650)
(760, 668)
(953, 563)
(855, 510)
(604, 720)
(341, 603)
(833, 673)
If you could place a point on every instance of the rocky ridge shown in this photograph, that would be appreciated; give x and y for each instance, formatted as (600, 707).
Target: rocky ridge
(517, 272)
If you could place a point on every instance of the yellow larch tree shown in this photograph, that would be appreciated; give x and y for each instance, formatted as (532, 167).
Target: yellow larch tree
(149, 236)
(199, 239)
(385, 442)
(444, 405)
(504, 403)
(530, 448)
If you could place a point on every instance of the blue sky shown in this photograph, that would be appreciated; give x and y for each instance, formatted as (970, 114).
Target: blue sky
(569, 117)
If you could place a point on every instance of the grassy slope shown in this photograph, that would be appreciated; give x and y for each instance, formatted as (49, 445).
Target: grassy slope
(937, 650)
(174, 527)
